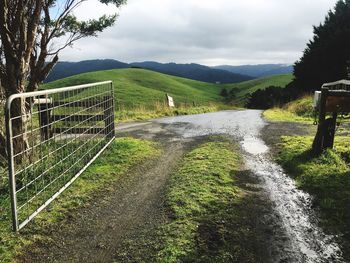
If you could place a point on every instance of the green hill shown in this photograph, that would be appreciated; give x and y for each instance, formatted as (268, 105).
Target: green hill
(246, 87)
(138, 91)
(139, 87)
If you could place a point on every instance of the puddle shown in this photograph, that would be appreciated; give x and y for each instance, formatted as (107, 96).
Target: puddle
(253, 146)
(305, 241)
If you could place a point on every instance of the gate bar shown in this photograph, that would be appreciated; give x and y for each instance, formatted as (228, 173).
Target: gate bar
(10, 151)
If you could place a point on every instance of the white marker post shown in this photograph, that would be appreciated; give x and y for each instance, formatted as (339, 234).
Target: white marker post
(170, 100)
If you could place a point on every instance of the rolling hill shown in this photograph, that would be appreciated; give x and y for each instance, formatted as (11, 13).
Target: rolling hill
(244, 88)
(140, 87)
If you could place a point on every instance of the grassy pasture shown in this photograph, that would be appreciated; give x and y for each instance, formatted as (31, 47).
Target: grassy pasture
(139, 87)
(140, 94)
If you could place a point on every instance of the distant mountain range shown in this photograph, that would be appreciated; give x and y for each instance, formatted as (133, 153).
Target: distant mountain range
(195, 72)
(190, 71)
(258, 71)
(219, 74)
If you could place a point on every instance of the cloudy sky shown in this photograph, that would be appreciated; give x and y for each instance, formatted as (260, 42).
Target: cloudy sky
(210, 32)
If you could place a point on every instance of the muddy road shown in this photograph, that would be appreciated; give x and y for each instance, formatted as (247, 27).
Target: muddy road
(294, 234)
(297, 237)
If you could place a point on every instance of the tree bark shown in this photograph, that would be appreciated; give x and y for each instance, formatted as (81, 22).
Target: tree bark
(3, 152)
(20, 114)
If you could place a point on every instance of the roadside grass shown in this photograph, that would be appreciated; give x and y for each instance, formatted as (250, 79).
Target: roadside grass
(326, 177)
(113, 163)
(300, 110)
(205, 219)
(161, 110)
(283, 115)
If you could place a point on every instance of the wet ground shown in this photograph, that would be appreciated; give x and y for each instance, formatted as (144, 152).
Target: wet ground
(291, 223)
(301, 240)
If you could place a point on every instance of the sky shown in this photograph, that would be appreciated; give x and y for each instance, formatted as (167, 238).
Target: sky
(209, 32)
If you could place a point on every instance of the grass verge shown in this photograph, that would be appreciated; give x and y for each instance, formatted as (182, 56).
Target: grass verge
(199, 201)
(113, 163)
(143, 113)
(326, 177)
(206, 219)
(300, 110)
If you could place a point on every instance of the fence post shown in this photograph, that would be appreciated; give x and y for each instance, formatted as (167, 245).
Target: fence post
(11, 167)
(45, 119)
(331, 130)
(113, 111)
(318, 143)
(326, 127)
(108, 113)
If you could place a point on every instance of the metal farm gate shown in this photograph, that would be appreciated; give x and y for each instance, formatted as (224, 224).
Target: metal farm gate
(52, 137)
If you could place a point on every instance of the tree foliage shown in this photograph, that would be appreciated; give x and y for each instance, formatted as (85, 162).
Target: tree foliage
(32, 34)
(325, 59)
(267, 98)
(224, 93)
(29, 33)
(229, 95)
(327, 56)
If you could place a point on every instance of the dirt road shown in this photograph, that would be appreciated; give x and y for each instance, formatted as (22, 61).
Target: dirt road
(95, 234)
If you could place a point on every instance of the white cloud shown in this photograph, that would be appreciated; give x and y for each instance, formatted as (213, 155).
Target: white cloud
(203, 31)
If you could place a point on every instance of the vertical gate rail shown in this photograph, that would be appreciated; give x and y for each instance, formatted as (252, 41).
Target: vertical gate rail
(52, 137)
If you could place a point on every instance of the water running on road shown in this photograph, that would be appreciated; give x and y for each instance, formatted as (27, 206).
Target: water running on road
(306, 241)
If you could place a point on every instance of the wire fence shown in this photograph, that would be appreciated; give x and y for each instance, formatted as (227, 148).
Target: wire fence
(52, 137)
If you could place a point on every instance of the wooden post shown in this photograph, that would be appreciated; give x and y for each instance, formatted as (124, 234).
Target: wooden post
(167, 99)
(318, 144)
(45, 119)
(326, 127)
(330, 132)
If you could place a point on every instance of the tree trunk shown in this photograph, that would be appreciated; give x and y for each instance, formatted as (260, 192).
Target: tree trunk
(20, 114)
(3, 153)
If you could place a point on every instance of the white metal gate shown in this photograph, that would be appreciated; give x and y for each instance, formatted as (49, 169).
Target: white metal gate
(52, 137)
